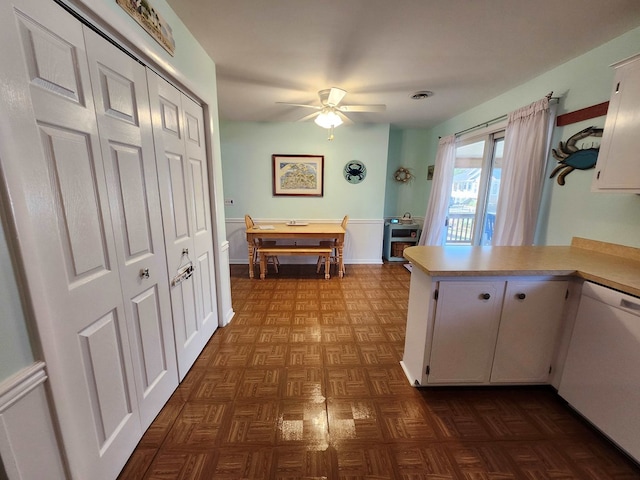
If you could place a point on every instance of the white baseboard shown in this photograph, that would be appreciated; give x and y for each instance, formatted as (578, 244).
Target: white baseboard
(225, 309)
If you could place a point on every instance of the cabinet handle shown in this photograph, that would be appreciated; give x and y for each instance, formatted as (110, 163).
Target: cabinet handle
(485, 296)
(144, 273)
(521, 296)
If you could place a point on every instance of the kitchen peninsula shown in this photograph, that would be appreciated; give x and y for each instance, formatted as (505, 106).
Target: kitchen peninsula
(504, 314)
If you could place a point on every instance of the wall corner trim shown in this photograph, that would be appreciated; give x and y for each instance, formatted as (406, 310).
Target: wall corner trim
(20, 384)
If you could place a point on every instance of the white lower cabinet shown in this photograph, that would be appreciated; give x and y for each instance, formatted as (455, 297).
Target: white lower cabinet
(464, 333)
(474, 331)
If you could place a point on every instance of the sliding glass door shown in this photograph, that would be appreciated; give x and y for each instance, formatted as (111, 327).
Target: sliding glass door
(474, 190)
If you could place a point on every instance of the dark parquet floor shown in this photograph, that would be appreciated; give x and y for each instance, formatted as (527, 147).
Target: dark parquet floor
(305, 383)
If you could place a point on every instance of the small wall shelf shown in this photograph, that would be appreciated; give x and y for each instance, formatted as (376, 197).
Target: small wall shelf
(397, 237)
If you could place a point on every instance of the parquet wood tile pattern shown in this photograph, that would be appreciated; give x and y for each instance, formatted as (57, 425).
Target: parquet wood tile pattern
(305, 384)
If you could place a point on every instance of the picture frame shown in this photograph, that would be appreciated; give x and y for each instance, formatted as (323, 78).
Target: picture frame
(151, 21)
(298, 175)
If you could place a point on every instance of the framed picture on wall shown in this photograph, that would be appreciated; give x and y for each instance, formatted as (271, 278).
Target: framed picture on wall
(298, 175)
(151, 21)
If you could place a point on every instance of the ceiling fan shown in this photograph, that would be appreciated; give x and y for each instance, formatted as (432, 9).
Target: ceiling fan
(330, 113)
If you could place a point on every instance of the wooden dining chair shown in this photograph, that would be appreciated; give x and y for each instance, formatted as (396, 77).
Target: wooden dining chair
(259, 242)
(333, 260)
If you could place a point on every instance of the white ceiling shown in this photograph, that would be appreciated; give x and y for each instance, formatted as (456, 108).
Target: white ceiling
(381, 51)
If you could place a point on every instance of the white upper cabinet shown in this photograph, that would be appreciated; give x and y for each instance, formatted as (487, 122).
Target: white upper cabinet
(618, 167)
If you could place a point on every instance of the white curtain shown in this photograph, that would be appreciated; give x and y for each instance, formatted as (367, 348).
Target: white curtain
(433, 231)
(526, 145)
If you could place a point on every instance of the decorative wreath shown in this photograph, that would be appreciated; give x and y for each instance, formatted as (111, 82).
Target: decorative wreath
(403, 175)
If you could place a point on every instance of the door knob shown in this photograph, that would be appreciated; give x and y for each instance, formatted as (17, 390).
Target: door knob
(485, 296)
(521, 296)
(144, 273)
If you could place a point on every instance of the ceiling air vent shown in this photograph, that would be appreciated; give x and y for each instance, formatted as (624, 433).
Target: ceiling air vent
(421, 95)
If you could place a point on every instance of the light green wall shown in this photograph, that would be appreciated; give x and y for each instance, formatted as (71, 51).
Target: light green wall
(408, 148)
(573, 209)
(569, 210)
(246, 164)
(15, 351)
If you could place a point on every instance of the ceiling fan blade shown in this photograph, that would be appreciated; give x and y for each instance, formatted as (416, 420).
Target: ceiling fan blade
(345, 119)
(362, 108)
(300, 105)
(309, 117)
(335, 96)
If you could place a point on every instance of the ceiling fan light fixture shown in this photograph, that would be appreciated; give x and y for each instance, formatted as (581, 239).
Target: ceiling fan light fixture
(328, 119)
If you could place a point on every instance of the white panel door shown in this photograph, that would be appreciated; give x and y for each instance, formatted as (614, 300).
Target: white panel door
(124, 124)
(184, 194)
(207, 309)
(68, 239)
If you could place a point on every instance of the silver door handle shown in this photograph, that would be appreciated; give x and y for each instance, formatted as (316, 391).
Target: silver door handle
(144, 273)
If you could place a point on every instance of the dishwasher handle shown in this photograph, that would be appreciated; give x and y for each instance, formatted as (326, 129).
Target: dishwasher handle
(624, 303)
(612, 297)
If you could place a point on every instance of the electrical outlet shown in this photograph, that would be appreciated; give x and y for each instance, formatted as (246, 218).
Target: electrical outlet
(228, 202)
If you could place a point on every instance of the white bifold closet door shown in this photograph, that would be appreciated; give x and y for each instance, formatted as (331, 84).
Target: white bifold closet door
(121, 101)
(88, 193)
(85, 330)
(184, 191)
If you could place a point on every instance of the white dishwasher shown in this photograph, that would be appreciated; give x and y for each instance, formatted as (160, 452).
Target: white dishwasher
(601, 377)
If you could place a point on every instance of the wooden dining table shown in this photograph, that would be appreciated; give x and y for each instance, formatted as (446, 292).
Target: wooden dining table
(293, 233)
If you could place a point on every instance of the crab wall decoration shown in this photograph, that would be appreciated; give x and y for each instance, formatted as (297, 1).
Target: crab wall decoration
(354, 171)
(571, 157)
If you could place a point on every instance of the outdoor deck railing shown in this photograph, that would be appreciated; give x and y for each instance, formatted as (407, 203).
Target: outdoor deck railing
(460, 228)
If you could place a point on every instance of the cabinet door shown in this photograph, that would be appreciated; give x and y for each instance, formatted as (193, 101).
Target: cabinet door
(464, 336)
(529, 327)
(617, 167)
(419, 324)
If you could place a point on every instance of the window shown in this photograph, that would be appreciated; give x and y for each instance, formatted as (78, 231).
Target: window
(474, 190)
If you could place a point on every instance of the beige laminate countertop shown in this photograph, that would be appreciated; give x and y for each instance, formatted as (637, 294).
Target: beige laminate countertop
(618, 269)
